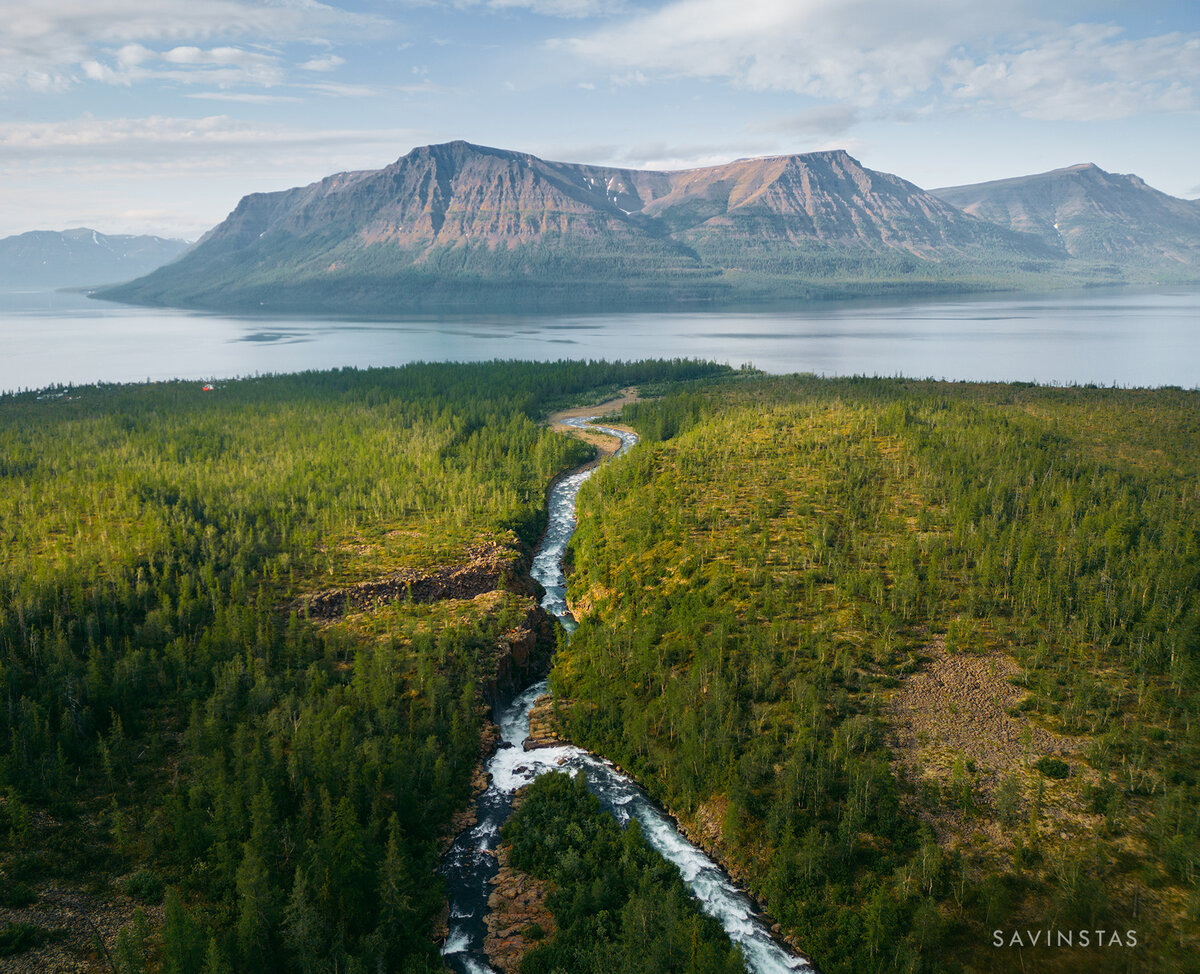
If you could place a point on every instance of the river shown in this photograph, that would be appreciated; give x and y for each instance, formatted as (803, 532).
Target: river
(469, 864)
(1123, 336)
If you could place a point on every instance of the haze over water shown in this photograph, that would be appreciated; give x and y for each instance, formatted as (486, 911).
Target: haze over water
(1128, 337)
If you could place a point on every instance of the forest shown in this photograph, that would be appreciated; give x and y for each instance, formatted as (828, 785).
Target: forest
(763, 584)
(618, 905)
(187, 756)
(916, 661)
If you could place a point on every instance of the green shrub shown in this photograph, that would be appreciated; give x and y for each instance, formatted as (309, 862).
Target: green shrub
(16, 938)
(145, 887)
(1053, 767)
(14, 896)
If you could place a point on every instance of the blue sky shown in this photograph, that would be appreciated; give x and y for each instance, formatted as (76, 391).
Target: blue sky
(156, 116)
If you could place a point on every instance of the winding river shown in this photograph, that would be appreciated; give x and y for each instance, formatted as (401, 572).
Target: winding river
(469, 863)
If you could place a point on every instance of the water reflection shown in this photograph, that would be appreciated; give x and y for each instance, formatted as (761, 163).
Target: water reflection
(1112, 336)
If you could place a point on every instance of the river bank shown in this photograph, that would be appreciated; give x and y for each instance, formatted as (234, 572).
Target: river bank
(470, 865)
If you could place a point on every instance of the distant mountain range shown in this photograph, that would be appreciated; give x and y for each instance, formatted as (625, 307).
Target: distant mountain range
(1091, 215)
(81, 257)
(465, 226)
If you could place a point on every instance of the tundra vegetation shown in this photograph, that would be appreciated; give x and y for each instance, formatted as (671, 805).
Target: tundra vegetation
(784, 575)
(180, 748)
(917, 660)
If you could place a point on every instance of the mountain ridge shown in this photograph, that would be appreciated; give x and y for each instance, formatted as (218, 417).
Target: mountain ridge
(458, 225)
(81, 257)
(1089, 214)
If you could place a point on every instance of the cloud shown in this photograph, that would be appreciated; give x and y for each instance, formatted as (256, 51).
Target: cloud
(342, 90)
(221, 66)
(55, 44)
(1086, 73)
(561, 8)
(661, 156)
(903, 53)
(566, 9)
(93, 171)
(244, 97)
(122, 136)
(327, 62)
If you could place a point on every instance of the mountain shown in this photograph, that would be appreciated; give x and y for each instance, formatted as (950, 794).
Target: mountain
(47, 258)
(461, 225)
(1091, 215)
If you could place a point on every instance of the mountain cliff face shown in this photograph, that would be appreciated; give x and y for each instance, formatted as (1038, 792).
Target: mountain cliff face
(46, 258)
(1091, 215)
(465, 225)
(823, 196)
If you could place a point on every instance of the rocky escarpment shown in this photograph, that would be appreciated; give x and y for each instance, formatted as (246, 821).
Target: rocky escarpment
(487, 567)
(525, 650)
(522, 652)
(461, 225)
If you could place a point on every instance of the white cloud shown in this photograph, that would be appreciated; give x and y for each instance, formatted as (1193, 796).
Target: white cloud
(244, 97)
(221, 66)
(662, 156)
(123, 135)
(54, 44)
(870, 53)
(1088, 72)
(566, 9)
(95, 172)
(561, 8)
(342, 90)
(327, 62)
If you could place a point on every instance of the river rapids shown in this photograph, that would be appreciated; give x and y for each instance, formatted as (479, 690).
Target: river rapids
(469, 863)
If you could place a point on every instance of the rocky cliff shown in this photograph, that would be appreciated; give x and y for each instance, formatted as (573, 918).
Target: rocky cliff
(463, 225)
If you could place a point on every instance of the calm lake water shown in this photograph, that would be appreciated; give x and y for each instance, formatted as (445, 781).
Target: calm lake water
(1144, 337)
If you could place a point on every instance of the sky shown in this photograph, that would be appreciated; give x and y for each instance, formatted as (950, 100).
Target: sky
(157, 116)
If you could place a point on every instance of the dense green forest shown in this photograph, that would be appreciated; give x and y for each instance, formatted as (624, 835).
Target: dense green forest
(916, 660)
(764, 587)
(175, 734)
(617, 904)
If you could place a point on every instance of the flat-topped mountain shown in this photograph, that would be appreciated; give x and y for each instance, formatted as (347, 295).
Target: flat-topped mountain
(826, 197)
(81, 257)
(461, 225)
(1090, 214)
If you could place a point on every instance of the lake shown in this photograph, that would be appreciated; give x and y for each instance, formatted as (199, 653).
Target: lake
(1128, 337)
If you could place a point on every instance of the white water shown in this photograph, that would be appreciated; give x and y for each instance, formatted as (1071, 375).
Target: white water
(469, 864)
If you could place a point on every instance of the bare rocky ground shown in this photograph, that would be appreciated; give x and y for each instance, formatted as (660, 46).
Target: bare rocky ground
(542, 729)
(953, 723)
(86, 929)
(487, 567)
(518, 917)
